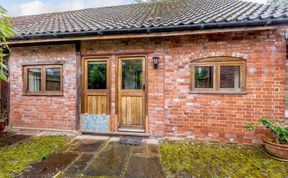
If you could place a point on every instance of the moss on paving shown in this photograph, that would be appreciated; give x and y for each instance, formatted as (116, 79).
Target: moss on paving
(17, 158)
(190, 159)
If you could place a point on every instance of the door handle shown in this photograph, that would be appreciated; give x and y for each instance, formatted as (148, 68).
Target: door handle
(143, 87)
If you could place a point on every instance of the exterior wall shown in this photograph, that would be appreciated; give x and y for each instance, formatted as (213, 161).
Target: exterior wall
(174, 112)
(53, 112)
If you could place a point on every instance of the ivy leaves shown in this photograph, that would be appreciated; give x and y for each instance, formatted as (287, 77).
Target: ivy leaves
(6, 31)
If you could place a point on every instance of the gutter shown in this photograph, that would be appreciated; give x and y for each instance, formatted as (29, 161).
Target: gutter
(268, 22)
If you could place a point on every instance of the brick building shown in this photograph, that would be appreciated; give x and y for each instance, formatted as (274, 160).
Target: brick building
(202, 70)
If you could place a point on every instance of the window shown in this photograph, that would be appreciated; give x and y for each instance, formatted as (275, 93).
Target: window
(218, 75)
(132, 75)
(97, 75)
(203, 77)
(43, 80)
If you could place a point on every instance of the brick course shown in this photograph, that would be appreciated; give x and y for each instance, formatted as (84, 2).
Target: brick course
(172, 110)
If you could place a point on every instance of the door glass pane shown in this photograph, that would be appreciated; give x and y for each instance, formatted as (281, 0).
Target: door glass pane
(132, 74)
(204, 77)
(53, 79)
(97, 75)
(230, 77)
(34, 79)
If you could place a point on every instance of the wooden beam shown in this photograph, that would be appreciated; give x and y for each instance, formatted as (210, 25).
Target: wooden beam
(146, 35)
(78, 85)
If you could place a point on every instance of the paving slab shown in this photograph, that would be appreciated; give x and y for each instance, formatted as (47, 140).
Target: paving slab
(144, 167)
(79, 165)
(92, 137)
(110, 162)
(146, 150)
(115, 139)
(51, 166)
(5, 134)
(70, 146)
(153, 141)
(12, 139)
(88, 145)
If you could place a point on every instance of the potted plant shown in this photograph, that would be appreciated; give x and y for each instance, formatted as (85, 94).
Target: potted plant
(3, 120)
(277, 143)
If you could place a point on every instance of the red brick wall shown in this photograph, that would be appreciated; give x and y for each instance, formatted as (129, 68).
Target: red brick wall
(57, 112)
(172, 110)
(223, 116)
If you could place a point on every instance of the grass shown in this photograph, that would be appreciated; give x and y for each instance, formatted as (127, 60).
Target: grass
(17, 158)
(191, 159)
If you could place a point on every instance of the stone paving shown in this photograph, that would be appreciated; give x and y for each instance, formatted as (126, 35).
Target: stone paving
(92, 156)
(108, 158)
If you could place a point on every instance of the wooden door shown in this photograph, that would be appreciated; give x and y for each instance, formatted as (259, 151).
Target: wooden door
(131, 93)
(96, 86)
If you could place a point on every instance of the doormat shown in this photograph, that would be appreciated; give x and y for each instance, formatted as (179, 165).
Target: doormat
(134, 141)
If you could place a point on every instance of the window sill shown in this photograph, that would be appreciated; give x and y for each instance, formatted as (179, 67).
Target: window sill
(220, 92)
(43, 94)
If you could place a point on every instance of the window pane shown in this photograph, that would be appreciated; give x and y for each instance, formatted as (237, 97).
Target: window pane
(97, 75)
(53, 79)
(34, 79)
(203, 77)
(132, 76)
(230, 77)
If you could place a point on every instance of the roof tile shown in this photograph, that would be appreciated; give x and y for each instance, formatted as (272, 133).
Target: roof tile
(182, 12)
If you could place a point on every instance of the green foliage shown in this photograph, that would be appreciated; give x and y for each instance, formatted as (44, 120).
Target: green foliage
(6, 31)
(279, 131)
(191, 159)
(15, 159)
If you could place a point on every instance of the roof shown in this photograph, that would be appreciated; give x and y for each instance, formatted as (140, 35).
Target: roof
(150, 17)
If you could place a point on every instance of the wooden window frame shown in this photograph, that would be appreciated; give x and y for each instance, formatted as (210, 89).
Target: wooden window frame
(217, 63)
(43, 91)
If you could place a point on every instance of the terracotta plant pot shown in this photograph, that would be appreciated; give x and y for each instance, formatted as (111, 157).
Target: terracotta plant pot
(278, 150)
(2, 126)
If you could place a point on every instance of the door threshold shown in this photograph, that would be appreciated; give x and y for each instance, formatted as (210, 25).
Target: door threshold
(132, 134)
(131, 129)
(115, 133)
